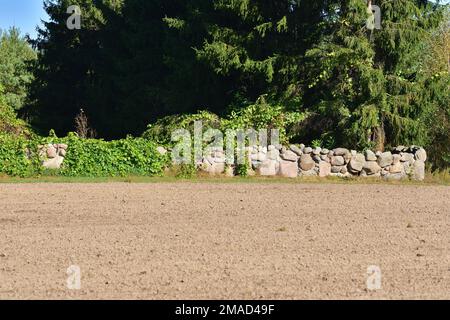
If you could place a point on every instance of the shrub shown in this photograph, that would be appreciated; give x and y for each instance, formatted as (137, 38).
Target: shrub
(161, 131)
(263, 115)
(94, 158)
(18, 156)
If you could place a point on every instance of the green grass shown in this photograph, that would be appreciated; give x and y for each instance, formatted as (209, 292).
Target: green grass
(442, 178)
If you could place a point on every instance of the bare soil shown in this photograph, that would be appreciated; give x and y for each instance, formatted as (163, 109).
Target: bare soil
(224, 241)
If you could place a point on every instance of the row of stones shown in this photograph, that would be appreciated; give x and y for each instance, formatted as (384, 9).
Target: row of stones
(294, 161)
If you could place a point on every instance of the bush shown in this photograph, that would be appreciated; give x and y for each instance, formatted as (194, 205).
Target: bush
(9, 123)
(161, 131)
(257, 116)
(18, 156)
(95, 158)
(263, 115)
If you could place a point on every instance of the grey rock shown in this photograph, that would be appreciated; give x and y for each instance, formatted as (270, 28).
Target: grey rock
(325, 151)
(278, 147)
(51, 152)
(395, 176)
(289, 156)
(310, 173)
(357, 163)
(324, 169)
(336, 169)
(288, 169)
(307, 150)
(340, 151)
(306, 162)
(53, 163)
(418, 170)
(296, 150)
(262, 156)
(406, 157)
(385, 159)
(63, 146)
(317, 159)
(421, 155)
(347, 157)
(268, 168)
(396, 158)
(62, 152)
(371, 168)
(214, 168)
(370, 156)
(396, 168)
(273, 154)
(317, 151)
(337, 161)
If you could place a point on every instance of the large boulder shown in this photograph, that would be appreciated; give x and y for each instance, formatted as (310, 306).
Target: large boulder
(268, 168)
(421, 155)
(370, 156)
(306, 162)
(357, 163)
(317, 151)
(406, 157)
(337, 161)
(288, 169)
(53, 163)
(273, 154)
(52, 152)
(324, 169)
(336, 169)
(396, 168)
(341, 152)
(296, 150)
(371, 168)
(288, 155)
(418, 170)
(385, 159)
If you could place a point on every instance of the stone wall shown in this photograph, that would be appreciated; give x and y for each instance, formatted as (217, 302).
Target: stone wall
(301, 161)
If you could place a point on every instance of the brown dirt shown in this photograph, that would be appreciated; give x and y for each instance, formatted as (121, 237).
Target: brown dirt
(231, 241)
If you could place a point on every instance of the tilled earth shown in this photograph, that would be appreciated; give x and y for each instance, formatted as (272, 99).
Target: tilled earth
(224, 241)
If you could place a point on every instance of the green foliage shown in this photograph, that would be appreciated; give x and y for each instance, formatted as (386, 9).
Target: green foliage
(365, 87)
(96, 158)
(84, 158)
(161, 131)
(243, 169)
(16, 55)
(9, 123)
(186, 171)
(262, 115)
(18, 156)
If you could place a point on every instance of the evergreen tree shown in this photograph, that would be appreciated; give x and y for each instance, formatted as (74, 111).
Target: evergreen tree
(365, 86)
